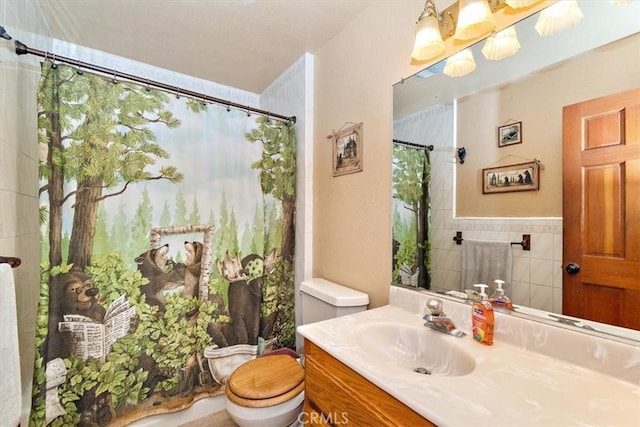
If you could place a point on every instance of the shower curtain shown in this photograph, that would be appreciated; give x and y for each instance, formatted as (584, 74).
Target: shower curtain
(167, 230)
(411, 170)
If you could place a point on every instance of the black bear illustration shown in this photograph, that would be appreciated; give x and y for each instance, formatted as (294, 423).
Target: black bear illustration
(152, 265)
(245, 293)
(69, 293)
(193, 269)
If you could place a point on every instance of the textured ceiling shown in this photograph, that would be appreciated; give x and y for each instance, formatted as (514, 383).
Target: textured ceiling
(245, 44)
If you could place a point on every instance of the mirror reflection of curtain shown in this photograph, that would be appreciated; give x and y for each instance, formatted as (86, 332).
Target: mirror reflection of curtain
(411, 243)
(167, 234)
(412, 193)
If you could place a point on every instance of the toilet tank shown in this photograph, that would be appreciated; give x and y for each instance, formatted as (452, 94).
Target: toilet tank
(322, 300)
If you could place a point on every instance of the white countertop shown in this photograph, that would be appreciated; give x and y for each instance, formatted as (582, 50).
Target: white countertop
(511, 385)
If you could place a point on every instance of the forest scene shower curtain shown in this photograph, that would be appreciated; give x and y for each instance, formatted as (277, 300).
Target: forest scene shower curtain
(411, 173)
(167, 246)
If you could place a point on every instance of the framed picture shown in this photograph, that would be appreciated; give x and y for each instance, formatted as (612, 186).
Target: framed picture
(510, 134)
(347, 150)
(504, 179)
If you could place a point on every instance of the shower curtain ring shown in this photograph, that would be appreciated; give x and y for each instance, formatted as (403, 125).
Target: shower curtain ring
(177, 93)
(115, 77)
(148, 88)
(53, 62)
(228, 107)
(79, 70)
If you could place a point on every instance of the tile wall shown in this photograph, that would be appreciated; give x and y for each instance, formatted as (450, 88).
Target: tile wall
(19, 234)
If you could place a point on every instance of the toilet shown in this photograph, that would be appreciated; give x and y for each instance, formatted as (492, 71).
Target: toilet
(269, 391)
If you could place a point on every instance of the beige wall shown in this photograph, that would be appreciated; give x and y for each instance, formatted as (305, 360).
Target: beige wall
(536, 101)
(352, 213)
(354, 77)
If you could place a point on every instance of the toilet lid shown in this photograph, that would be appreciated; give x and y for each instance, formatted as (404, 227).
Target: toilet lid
(265, 381)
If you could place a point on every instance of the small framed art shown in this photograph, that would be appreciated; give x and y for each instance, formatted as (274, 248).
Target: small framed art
(347, 150)
(510, 134)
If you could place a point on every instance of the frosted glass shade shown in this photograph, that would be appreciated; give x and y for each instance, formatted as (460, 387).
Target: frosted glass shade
(474, 19)
(558, 17)
(460, 64)
(501, 45)
(517, 4)
(428, 43)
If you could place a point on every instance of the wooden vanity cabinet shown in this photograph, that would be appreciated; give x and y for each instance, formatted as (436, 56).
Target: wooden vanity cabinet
(337, 395)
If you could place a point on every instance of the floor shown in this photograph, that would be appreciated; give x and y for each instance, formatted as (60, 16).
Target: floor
(219, 419)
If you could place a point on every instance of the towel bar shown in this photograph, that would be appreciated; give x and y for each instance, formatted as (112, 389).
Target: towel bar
(525, 243)
(12, 261)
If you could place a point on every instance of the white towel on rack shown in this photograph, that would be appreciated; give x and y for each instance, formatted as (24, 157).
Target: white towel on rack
(10, 386)
(484, 262)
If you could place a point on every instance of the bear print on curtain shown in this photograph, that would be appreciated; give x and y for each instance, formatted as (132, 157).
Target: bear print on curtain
(167, 235)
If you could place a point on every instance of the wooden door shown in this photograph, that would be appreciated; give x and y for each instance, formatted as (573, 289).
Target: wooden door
(601, 209)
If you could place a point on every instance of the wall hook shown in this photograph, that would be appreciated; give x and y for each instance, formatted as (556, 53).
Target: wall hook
(462, 153)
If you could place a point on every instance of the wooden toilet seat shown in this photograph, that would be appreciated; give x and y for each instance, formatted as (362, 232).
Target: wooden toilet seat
(265, 381)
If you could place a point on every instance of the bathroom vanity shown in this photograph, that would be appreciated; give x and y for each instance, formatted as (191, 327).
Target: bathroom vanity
(384, 367)
(336, 394)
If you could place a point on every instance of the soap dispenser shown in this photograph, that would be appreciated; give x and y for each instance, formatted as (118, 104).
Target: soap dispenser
(499, 300)
(482, 318)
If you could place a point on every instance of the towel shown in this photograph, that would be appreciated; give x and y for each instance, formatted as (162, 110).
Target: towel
(484, 262)
(10, 386)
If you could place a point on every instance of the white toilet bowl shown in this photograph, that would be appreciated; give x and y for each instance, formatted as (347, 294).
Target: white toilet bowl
(266, 392)
(282, 415)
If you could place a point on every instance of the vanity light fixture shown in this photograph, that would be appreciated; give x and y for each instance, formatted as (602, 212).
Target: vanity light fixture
(501, 44)
(475, 19)
(460, 64)
(558, 17)
(428, 42)
(518, 4)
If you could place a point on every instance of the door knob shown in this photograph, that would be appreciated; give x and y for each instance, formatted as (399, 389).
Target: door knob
(572, 268)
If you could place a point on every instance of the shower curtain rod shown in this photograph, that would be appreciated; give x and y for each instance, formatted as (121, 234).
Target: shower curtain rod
(413, 145)
(22, 49)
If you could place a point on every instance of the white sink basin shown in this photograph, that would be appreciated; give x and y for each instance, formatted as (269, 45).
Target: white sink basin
(417, 349)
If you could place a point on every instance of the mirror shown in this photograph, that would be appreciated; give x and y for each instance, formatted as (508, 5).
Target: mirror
(597, 57)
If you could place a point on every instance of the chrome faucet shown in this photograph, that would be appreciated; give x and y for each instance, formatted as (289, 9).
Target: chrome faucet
(438, 320)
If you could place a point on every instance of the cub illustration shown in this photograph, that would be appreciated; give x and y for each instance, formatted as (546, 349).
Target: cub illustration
(152, 265)
(193, 269)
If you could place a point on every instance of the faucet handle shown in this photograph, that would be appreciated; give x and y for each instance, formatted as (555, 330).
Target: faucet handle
(434, 305)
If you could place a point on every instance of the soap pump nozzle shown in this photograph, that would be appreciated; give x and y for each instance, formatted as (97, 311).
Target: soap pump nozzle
(499, 288)
(483, 295)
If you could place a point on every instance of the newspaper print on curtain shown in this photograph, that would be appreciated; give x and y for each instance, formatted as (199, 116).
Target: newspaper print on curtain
(167, 233)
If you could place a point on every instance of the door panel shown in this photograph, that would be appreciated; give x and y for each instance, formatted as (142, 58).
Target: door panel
(601, 209)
